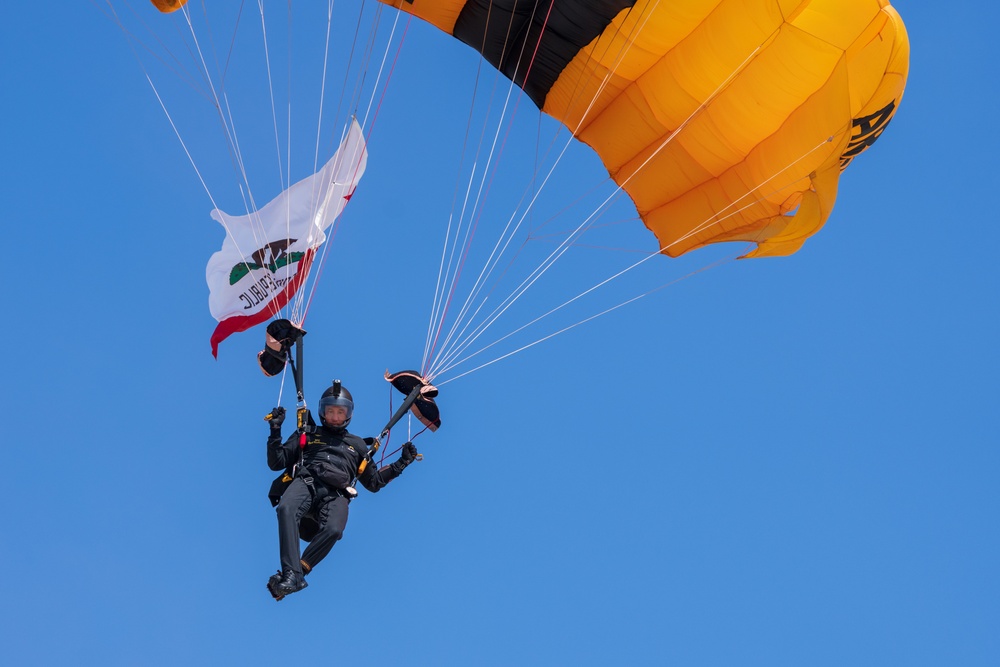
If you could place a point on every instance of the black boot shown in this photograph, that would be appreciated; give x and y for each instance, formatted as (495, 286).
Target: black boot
(272, 586)
(291, 582)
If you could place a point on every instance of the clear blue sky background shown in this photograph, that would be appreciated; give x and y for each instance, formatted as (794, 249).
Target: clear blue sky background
(776, 462)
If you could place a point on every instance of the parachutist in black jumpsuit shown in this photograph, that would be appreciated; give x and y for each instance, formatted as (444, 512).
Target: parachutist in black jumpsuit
(329, 463)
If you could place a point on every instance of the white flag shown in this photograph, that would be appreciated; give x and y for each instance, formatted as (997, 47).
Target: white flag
(267, 254)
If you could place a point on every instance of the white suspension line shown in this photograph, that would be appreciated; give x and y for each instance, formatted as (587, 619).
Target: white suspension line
(444, 275)
(177, 68)
(381, 69)
(375, 92)
(539, 270)
(484, 275)
(511, 298)
(573, 326)
(229, 128)
(281, 385)
(449, 284)
(507, 302)
(322, 89)
(438, 290)
(270, 90)
(561, 250)
(711, 220)
(478, 212)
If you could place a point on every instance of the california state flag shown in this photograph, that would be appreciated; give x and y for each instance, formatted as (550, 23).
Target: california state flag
(267, 254)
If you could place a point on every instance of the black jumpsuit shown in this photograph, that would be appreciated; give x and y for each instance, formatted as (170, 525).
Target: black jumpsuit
(331, 459)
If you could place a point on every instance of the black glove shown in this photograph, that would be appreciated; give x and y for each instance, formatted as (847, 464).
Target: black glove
(406, 457)
(409, 454)
(276, 418)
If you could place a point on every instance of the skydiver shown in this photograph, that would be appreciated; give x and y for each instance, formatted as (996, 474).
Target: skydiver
(322, 475)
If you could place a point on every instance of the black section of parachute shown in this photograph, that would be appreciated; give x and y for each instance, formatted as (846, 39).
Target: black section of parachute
(507, 33)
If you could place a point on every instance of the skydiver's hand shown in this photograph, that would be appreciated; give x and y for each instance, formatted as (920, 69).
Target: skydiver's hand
(409, 454)
(277, 418)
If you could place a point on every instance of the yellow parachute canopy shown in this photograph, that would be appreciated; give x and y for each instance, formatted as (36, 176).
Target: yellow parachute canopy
(167, 6)
(724, 120)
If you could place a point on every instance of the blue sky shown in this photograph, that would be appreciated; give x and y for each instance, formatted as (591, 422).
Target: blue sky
(773, 462)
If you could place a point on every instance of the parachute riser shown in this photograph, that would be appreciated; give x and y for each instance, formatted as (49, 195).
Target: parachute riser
(400, 411)
(297, 370)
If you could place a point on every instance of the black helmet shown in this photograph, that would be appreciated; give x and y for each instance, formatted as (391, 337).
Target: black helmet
(336, 395)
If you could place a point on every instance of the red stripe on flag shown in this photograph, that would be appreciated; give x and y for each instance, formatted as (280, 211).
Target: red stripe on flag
(237, 323)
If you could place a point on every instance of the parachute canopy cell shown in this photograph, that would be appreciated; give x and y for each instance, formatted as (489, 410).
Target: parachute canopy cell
(724, 120)
(167, 6)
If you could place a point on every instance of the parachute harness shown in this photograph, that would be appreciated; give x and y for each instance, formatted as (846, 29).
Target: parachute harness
(282, 336)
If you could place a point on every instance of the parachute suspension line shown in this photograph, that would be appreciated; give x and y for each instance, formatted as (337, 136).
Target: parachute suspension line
(304, 297)
(232, 44)
(481, 196)
(228, 125)
(451, 215)
(281, 385)
(229, 130)
(381, 69)
(487, 272)
(256, 229)
(538, 271)
(495, 257)
(322, 85)
(374, 117)
(584, 321)
(177, 68)
(448, 364)
(561, 249)
(613, 223)
(442, 277)
(519, 291)
(213, 98)
(177, 133)
(270, 90)
(295, 306)
(489, 267)
(284, 178)
(343, 89)
(704, 225)
(359, 87)
(623, 51)
(216, 98)
(382, 459)
(445, 363)
(626, 45)
(494, 260)
(221, 102)
(288, 161)
(298, 307)
(481, 282)
(355, 96)
(448, 287)
(300, 304)
(367, 54)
